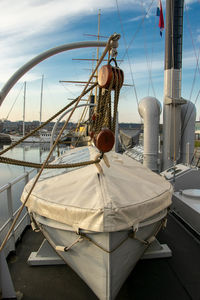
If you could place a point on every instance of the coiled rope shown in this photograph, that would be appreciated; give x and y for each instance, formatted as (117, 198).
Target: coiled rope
(104, 117)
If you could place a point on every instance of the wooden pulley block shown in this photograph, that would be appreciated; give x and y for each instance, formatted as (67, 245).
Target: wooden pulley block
(106, 74)
(105, 140)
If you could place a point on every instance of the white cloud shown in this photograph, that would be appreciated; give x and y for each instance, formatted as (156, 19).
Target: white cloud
(136, 18)
(24, 24)
(191, 1)
(28, 27)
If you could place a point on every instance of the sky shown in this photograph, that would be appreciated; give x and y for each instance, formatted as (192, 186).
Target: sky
(30, 27)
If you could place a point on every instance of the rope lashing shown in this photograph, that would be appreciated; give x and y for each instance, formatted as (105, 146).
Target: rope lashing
(82, 236)
(151, 238)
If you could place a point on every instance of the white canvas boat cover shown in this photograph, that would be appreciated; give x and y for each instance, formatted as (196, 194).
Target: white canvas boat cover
(124, 195)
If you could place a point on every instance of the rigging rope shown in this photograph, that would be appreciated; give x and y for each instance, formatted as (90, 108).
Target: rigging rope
(11, 161)
(107, 48)
(138, 28)
(126, 52)
(195, 73)
(149, 64)
(194, 78)
(130, 43)
(45, 123)
(15, 101)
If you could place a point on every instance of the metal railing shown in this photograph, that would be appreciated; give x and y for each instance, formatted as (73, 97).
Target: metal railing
(12, 210)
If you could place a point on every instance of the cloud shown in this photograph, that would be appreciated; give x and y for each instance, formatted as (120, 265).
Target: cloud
(135, 19)
(26, 27)
(191, 1)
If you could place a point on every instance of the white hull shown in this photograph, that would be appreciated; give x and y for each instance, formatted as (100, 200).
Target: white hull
(103, 271)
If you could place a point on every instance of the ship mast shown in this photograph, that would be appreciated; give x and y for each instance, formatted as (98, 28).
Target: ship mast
(172, 82)
(24, 108)
(41, 98)
(96, 89)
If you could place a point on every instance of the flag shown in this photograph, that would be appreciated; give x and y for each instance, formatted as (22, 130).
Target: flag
(159, 13)
(158, 10)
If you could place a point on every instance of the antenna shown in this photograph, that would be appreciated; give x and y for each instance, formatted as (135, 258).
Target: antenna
(24, 108)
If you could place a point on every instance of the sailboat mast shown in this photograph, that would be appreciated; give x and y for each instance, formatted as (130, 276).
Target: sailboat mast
(99, 16)
(41, 98)
(172, 82)
(24, 108)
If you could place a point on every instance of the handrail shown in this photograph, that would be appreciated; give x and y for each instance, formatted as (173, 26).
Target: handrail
(16, 180)
(24, 221)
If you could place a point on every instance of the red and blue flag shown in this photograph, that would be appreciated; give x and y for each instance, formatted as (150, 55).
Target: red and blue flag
(159, 13)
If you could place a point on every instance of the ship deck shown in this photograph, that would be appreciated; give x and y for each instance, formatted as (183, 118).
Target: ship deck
(177, 277)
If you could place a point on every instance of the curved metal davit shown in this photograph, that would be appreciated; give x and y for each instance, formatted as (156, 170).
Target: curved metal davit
(150, 109)
(39, 58)
(61, 117)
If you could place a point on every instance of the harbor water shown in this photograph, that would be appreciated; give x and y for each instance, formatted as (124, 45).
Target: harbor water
(36, 152)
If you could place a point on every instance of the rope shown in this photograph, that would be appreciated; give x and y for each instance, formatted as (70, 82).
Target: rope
(6, 160)
(79, 239)
(137, 30)
(194, 78)
(14, 101)
(196, 69)
(128, 46)
(45, 123)
(107, 48)
(103, 115)
(149, 63)
(116, 99)
(83, 236)
(151, 238)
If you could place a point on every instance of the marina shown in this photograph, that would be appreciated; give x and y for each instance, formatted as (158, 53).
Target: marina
(116, 214)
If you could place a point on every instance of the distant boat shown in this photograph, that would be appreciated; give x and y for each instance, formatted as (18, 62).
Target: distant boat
(5, 139)
(45, 136)
(31, 139)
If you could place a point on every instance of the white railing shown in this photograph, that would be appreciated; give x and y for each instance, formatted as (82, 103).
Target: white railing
(10, 195)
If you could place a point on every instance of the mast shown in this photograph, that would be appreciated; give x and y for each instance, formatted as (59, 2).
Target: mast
(24, 108)
(172, 82)
(99, 16)
(41, 98)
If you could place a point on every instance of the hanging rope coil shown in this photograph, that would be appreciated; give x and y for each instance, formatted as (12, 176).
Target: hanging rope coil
(103, 121)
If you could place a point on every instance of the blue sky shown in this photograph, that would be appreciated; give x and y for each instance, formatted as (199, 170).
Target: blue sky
(30, 27)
